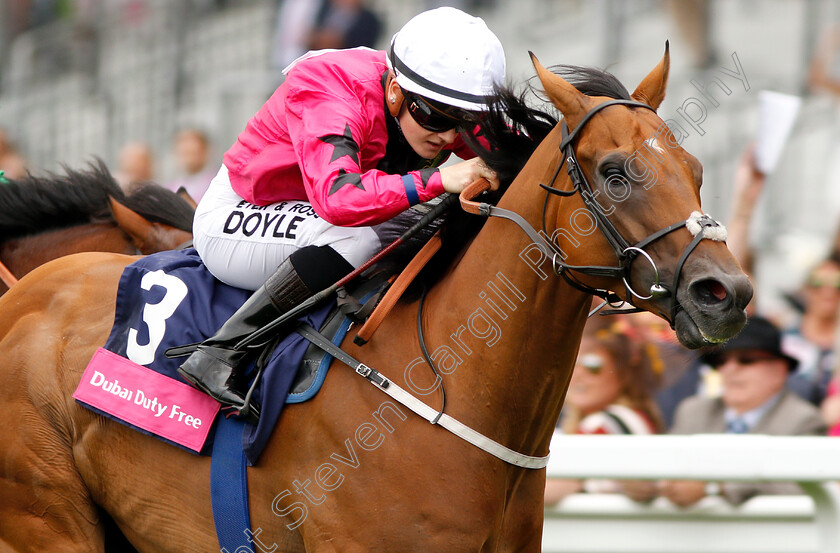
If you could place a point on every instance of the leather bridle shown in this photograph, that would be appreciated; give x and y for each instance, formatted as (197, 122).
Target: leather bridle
(624, 250)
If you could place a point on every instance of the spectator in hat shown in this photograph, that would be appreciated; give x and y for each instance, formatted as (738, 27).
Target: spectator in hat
(754, 372)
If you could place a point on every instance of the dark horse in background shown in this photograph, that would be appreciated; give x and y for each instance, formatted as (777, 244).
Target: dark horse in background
(42, 218)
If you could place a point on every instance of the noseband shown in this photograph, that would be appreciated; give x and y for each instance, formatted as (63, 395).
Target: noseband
(700, 225)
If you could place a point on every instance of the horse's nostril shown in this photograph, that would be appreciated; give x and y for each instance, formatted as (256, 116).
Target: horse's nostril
(709, 292)
(717, 290)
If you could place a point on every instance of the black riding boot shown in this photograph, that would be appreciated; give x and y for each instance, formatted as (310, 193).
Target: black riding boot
(212, 367)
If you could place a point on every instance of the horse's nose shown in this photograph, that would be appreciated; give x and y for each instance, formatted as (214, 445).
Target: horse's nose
(721, 293)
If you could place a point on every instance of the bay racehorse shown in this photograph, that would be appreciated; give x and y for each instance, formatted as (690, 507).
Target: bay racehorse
(350, 470)
(45, 217)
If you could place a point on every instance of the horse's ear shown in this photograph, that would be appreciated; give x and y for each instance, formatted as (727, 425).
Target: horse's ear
(651, 90)
(182, 192)
(572, 103)
(136, 226)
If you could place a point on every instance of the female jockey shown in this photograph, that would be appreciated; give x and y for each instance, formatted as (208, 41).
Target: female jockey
(349, 140)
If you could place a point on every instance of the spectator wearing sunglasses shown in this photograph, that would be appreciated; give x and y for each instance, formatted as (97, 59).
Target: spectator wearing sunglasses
(352, 138)
(753, 369)
(811, 340)
(610, 392)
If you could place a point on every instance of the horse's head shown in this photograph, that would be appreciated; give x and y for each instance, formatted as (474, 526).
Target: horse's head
(48, 216)
(150, 236)
(634, 182)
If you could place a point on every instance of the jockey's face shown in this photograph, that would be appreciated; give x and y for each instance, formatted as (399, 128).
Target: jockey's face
(426, 143)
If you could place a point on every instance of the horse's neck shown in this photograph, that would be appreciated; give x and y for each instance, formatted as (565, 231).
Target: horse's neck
(21, 255)
(515, 326)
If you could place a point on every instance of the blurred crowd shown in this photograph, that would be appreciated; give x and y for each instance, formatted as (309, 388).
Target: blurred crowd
(12, 162)
(632, 377)
(190, 161)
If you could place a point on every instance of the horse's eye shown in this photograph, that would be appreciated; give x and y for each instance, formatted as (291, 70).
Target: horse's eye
(615, 176)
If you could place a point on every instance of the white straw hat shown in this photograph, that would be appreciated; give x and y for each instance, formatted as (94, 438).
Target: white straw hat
(448, 56)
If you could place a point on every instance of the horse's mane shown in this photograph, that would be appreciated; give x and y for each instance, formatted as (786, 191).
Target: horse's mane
(160, 205)
(36, 204)
(592, 81)
(513, 129)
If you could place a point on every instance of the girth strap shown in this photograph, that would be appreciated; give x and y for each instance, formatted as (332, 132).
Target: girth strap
(398, 394)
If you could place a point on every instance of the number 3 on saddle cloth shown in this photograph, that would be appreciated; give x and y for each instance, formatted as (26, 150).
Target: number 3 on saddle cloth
(169, 299)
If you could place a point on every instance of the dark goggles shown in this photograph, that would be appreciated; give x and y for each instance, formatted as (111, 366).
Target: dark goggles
(436, 117)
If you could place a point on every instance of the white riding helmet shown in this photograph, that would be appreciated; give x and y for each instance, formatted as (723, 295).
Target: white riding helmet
(448, 56)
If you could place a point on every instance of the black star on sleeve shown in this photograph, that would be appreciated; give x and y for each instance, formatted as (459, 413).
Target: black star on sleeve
(346, 178)
(343, 145)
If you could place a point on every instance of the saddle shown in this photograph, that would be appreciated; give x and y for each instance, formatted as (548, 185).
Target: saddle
(292, 369)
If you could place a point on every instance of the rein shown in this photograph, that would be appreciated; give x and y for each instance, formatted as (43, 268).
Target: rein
(701, 226)
(6, 275)
(698, 224)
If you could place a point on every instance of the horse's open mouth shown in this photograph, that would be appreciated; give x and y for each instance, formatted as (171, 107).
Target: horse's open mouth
(692, 336)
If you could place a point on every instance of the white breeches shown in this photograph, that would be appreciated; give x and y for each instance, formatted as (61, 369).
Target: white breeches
(242, 244)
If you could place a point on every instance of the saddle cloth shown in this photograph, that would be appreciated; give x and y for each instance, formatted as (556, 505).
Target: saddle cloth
(170, 299)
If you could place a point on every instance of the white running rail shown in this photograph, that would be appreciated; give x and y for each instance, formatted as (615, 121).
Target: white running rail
(766, 524)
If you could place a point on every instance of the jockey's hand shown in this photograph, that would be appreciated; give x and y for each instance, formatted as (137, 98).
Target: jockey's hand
(458, 176)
